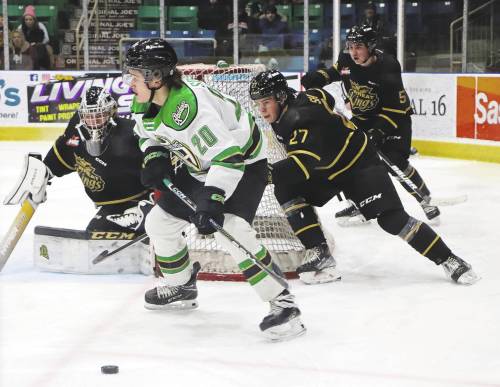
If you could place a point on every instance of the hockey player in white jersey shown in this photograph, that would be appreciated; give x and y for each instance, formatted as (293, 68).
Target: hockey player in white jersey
(225, 172)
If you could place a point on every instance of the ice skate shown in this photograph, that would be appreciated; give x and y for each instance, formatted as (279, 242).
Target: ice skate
(319, 266)
(174, 297)
(459, 271)
(350, 216)
(283, 321)
(431, 212)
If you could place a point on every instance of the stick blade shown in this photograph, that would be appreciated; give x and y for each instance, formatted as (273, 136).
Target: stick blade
(448, 201)
(100, 257)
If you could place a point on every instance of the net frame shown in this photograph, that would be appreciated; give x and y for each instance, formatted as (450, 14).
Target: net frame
(270, 222)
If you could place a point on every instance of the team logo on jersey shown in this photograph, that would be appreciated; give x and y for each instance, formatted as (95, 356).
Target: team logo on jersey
(89, 178)
(180, 151)
(74, 141)
(362, 97)
(181, 113)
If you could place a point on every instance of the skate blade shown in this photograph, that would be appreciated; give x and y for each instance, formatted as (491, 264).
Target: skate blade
(352, 221)
(287, 331)
(468, 278)
(324, 276)
(178, 305)
(434, 221)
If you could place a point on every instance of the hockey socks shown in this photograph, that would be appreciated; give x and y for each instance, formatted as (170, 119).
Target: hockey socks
(304, 222)
(423, 239)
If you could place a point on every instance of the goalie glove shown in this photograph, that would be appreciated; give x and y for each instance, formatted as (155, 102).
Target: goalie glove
(32, 182)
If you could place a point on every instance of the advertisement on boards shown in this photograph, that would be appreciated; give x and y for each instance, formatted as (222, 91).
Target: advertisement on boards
(12, 96)
(59, 99)
(478, 101)
(433, 103)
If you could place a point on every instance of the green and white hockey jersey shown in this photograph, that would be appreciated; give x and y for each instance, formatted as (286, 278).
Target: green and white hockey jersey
(209, 129)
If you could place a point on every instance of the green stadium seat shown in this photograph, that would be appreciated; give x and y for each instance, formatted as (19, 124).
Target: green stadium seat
(315, 16)
(286, 12)
(184, 18)
(148, 18)
(47, 14)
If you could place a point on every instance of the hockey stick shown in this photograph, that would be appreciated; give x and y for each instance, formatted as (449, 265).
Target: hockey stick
(186, 200)
(415, 191)
(16, 229)
(106, 253)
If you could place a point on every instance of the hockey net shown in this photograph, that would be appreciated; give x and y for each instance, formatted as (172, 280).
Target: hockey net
(272, 227)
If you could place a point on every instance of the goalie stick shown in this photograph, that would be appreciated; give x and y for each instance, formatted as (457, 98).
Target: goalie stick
(186, 200)
(16, 230)
(415, 191)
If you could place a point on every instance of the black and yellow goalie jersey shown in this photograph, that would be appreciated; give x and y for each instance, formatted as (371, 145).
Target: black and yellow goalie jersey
(111, 178)
(319, 142)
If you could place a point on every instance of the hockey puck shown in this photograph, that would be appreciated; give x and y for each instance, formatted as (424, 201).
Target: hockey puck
(109, 369)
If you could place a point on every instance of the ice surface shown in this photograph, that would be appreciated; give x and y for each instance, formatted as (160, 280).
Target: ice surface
(393, 320)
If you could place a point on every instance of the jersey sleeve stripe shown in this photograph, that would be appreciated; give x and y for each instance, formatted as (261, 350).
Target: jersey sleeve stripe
(332, 176)
(304, 152)
(228, 153)
(397, 110)
(346, 144)
(301, 166)
(388, 119)
(238, 166)
(59, 157)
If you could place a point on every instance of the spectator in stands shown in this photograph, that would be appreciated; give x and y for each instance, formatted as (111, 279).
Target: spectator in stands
(372, 18)
(23, 54)
(272, 24)
(26, 56)
(254, 11)
(33, 30)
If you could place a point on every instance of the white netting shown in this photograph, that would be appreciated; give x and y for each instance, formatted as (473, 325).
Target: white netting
(270, 223)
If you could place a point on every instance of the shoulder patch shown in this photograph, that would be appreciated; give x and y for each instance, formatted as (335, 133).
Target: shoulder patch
(180, 109)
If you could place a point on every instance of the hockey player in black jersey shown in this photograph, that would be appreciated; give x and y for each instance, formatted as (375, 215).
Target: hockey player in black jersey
(379, 103)
(327, 154)
(102, 148)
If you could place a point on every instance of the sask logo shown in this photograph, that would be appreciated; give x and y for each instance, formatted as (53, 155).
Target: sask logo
(362, 97)
(9, 95)
(181, 113)
(87, 174)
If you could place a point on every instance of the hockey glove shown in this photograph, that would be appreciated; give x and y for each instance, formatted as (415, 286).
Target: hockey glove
(156, 167)
(376, 136)
(313, 79)
(209, 205)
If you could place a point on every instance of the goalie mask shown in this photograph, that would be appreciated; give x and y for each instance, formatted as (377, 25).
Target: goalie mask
(96, 112)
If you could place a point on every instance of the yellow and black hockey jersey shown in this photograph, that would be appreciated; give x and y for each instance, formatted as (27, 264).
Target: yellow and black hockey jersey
(319, 142)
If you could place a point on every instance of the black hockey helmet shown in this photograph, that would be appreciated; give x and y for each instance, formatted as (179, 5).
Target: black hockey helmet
(363, 34)
(96, 112)
(154, 58)
(269, 83)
